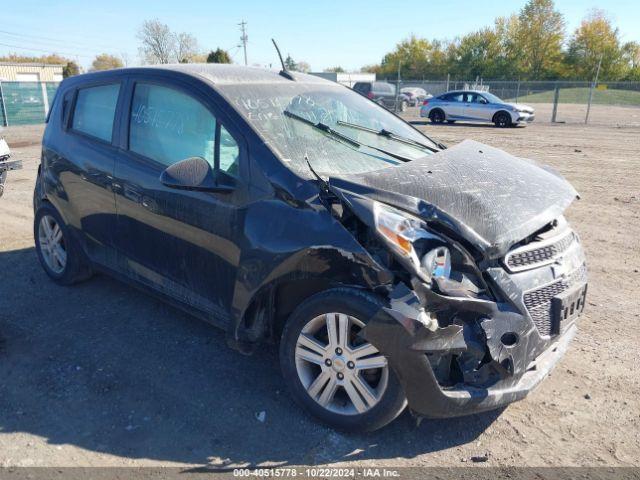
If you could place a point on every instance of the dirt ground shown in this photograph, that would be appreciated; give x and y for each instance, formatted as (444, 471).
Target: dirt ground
(100, 374)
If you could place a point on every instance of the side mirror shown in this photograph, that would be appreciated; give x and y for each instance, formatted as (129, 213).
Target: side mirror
(195, 173)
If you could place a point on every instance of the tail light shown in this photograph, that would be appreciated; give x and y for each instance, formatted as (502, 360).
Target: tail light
(370, 95)
(426, 102)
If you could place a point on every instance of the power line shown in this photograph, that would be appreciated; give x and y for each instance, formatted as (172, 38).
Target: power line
(233, 52)
(42, 44)
(45, 51)
(244, 39)
(48, 39)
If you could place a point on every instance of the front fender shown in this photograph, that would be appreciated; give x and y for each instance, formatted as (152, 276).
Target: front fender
(302, 242)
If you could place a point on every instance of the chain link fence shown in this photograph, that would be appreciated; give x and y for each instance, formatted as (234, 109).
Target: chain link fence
(25, 103)
(606, 103)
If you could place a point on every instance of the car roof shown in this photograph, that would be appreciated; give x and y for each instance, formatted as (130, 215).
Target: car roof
(465, 91)
(216, 73)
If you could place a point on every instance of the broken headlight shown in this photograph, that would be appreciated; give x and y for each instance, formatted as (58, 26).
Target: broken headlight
(437, 262)
(407, 236)
(425, 254)
(399, 231)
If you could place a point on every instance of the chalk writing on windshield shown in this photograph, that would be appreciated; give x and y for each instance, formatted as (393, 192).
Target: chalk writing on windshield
(317, 110)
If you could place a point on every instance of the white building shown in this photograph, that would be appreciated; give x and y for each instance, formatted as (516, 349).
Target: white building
(30, 72)
(346, 78)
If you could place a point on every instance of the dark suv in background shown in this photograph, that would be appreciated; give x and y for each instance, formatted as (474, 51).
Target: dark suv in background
(384, 94)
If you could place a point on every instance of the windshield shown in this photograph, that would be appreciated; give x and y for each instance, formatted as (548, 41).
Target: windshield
(492, 98)
(295, 141)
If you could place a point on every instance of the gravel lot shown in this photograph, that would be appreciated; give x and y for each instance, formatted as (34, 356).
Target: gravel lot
(100, 374)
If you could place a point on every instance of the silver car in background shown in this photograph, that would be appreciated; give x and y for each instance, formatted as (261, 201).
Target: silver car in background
(475, 106)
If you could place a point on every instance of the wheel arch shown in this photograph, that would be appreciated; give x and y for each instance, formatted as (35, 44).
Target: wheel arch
(267, 309)
(502, 110)
(438, 109)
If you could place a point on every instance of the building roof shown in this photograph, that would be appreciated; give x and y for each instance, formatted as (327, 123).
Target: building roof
(27, 64)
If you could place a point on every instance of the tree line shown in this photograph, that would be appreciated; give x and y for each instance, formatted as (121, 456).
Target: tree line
(158, 44)
(530, 45)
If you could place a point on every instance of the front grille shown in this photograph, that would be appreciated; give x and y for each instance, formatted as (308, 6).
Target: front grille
(532, 255)
(538, 301)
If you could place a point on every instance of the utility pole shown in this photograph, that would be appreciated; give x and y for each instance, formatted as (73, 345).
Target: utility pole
(593, 85)
(397, 89)
(243, 39)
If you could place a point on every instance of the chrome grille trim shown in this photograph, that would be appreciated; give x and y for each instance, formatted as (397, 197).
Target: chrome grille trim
(537, 254)
(538, 300)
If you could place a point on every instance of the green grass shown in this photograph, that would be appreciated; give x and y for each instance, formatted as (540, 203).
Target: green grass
(581, 95)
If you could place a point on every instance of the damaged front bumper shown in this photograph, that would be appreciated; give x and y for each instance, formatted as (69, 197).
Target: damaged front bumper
(494, 354)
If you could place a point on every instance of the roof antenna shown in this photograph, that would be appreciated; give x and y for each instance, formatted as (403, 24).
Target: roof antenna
(284, 72)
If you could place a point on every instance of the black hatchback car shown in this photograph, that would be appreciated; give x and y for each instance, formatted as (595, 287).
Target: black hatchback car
(282, 207)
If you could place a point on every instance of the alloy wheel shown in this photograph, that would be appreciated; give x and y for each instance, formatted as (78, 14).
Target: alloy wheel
(339, 370)
(437, 116)
(503, 120)
(52, 245)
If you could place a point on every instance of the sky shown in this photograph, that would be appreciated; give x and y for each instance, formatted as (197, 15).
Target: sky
(348, 33)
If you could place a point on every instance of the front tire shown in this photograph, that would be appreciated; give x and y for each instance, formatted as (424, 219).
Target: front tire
(58, 252)
(332, 373)
(502, 120)
(436, 116)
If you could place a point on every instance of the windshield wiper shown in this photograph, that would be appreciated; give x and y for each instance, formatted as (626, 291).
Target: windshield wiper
(323, 127)
(339, 136)
(390, 135)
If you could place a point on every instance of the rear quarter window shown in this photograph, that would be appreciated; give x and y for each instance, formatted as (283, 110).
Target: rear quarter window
(95, 110)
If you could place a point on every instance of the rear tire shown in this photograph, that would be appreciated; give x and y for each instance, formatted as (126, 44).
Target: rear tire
(502, 120)
(436, 116)
(58, 251)
(328, 379)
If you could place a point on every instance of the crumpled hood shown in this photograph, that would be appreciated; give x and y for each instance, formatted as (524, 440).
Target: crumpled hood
(488, 196)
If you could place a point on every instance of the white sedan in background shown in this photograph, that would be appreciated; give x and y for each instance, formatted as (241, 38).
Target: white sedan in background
(475, 106)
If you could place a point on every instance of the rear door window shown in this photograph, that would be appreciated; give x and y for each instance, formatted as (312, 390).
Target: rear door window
(453, 97)
(95, 110)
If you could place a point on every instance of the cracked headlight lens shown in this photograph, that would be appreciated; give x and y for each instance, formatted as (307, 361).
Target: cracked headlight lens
(408, 237)
(400, 231)
(437, 263)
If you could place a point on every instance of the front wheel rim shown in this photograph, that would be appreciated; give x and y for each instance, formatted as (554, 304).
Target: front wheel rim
(340, 372)
(52, 244)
